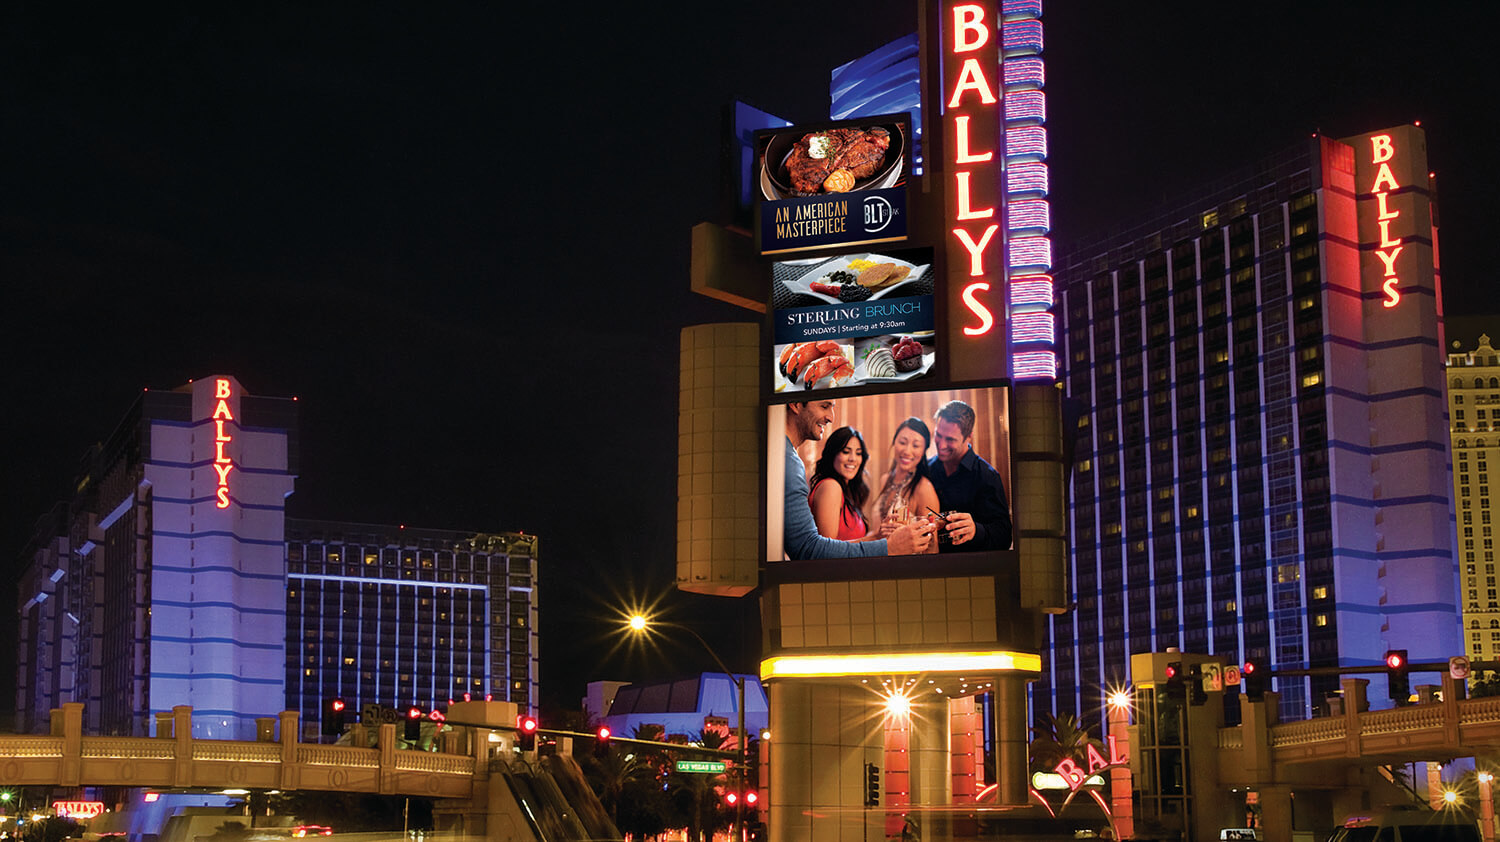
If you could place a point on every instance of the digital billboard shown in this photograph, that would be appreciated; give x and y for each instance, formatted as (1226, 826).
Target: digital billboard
(851, 320)
(909, 473)
(833, 185)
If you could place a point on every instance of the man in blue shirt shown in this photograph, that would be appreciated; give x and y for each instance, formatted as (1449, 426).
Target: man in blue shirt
(807, 421)
(967, 485)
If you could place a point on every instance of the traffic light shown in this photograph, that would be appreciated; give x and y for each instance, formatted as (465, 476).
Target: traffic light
(333, 717)
(872, 785)
(601, 740)
(526, 732)
(1397, 682)
(1255, 681)
(1174, 689)
(413, 724)
(752, 798)
(1196, 695)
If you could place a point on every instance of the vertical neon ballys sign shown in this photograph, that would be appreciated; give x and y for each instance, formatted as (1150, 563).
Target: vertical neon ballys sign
(222, 463)
(993, 134)
(1382, 150)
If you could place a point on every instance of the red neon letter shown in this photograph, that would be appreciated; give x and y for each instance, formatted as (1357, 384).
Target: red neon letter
(1096, 760)
(223, 473)
(1389, 260)
(986, 320)
(964, 211)
(1385, 212)
(1381, 150)
(1115, 757)
(219, 453)
(223, 410)
(223, 498)
(1383, 176)
(1392, 295)
(964, 156)
(969, 32)
(972, 78)
(1070, 773)
(221, 388)
(976, 251)
(219, 434)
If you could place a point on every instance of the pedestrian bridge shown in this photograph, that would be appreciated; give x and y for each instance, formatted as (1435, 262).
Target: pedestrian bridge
(175, 760)
(1261, 750)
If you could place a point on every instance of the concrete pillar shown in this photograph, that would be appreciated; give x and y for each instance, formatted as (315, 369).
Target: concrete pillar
(930, 763)
(1010, 741)
(182, 734)
(1486, 806)
(1276, 811)
(825, 734)
(72, 734)
(289, 734)
(1121, 785)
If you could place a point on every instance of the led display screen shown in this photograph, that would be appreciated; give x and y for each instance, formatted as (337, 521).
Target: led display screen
(861, 319)
(845, 471)
(833, 185)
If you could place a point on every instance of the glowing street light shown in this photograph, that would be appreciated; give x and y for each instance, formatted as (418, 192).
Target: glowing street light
(641, 624)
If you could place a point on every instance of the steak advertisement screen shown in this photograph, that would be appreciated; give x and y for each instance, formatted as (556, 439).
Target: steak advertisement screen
(844, 473)
(834, 185)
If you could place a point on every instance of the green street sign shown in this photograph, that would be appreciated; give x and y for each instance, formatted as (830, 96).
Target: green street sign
(711, 766)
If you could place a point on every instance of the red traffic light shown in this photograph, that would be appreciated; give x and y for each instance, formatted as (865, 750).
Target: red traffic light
(603, 733)
(731, 798)
(1395, 659)
(751, 797)
(1248, 668)
(337, 705)
(414, 712)
(527, 724)
(1171, 671)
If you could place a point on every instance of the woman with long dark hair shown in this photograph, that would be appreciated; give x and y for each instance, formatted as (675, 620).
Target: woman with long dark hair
(907, 493)
(839, 490)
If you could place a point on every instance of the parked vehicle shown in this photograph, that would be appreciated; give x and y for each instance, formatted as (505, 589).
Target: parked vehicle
(1409, 824)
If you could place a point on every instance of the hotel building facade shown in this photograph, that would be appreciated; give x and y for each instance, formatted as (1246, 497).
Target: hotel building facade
(174, 577)
(1474, 407)
(1262, 467)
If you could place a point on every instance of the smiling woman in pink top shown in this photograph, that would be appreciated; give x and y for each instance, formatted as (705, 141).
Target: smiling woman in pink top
(839, 490)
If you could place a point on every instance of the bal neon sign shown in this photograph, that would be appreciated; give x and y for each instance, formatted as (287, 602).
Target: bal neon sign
(1076, 776)
(222, 463)
(1382, 150)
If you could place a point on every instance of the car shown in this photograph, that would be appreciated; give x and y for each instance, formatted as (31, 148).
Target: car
(1409, 824)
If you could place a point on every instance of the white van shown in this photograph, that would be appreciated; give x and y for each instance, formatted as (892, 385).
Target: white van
(1409, 824)
(1240, 834)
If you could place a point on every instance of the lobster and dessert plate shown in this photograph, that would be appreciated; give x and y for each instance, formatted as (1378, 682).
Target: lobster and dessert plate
(805, 366)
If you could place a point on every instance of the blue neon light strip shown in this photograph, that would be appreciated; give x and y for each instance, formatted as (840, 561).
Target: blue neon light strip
(319, 577)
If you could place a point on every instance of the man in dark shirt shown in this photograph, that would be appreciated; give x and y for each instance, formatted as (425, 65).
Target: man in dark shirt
(967, 485)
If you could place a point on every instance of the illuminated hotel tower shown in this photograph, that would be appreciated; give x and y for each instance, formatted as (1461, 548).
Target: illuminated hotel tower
(165, 581)
(1474, 408)
(1262, 462)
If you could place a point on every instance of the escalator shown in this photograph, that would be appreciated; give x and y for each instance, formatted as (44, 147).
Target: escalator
(553, 802)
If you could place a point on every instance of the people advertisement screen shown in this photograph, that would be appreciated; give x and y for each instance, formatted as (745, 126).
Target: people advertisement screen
(852, 319)
(833, 185)
(908, 474)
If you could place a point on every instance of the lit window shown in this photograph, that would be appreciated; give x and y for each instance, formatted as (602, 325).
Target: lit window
(1312, 380)
(1320, 620)
(1320, 592)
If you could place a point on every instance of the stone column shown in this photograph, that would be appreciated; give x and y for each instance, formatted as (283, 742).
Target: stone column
(825, 734)
(1010, 741)
(1276, 811)
(931, 769)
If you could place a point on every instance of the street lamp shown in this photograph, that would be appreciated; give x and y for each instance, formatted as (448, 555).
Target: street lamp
(640, 623)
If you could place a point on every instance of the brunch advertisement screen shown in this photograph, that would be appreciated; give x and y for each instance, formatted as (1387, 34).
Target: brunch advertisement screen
(861, 319)
(893, 474)
(834, 185)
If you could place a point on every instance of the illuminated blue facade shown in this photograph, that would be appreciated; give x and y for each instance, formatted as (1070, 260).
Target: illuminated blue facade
(174, 577)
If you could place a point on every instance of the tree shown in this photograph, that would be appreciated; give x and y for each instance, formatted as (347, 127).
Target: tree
(51, 829)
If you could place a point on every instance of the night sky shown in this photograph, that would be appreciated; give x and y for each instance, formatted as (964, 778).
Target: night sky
(460, 236)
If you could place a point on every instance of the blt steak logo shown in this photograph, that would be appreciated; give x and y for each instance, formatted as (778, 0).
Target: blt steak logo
(878, 213)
